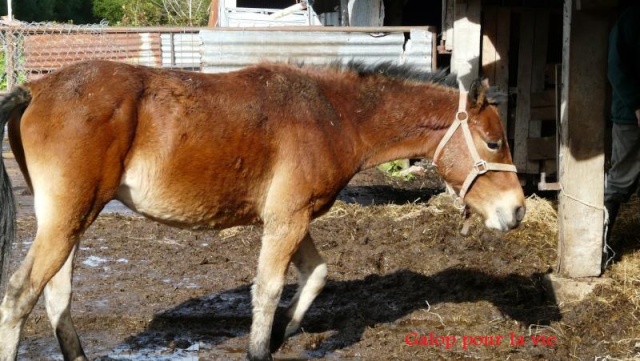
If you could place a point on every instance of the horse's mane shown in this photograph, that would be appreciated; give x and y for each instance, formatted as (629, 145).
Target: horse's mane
(492, 95)
(403, 72)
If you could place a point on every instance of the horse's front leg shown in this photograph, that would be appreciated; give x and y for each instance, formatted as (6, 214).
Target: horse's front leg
(281, 239)
(312, 275)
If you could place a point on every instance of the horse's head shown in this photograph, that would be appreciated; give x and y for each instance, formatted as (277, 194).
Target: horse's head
(476, 161)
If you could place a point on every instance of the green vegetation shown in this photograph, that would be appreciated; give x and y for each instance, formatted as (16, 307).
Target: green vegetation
(3, 79)
(395, 168)
(21, 77)
(116, 12)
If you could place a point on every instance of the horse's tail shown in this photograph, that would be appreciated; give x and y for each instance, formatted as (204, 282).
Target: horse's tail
(11, 106)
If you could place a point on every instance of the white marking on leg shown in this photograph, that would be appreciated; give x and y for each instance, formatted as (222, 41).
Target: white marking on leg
(281, 239)
(265, 296)
(307, 292)
(16, 305)
(48, 253)
(312, 274)
(57, 295)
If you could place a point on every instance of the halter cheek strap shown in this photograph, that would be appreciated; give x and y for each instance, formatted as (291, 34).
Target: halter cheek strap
(480, 166)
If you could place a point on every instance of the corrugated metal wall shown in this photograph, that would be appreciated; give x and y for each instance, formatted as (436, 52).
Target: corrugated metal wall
(224, 51)
(181, 51)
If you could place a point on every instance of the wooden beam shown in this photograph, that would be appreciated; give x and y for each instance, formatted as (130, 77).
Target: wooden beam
(543, 105)
(539, 61)
(496, 27)
(503, 33)
(489, 36)
(596, 5)
(214, 13)
(465, 60)
(581, 168)
(546, 98)
(344, 12)
(523, 105)
(448, 18)
(541, 148)
(366, 12)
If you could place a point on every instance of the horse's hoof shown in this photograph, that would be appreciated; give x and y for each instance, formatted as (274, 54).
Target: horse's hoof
(278, 333)
(266, 357)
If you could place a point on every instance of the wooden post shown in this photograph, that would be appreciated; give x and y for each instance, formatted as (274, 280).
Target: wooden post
(9, 11)
(366, 12)
(532, 59)
(448, 18)
(465, 59)
(523, 106)
(538, 65)
(580, 210)
(344, 12)
(214, 13)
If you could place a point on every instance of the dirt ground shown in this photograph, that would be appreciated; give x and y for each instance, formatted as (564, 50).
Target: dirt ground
(403, 285)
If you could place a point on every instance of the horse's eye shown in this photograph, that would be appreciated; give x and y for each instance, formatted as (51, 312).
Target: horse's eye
(494, 145)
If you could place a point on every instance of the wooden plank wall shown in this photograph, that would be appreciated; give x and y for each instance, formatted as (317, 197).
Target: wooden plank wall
(496, 27)
(535, 99)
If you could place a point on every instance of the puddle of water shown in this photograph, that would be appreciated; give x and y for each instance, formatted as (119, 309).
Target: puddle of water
(94, 261)
(124, 352)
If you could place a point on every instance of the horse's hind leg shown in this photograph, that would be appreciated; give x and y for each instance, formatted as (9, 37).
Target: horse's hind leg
(312, 275)
(57, 296)
(47, 256)
(63, 214)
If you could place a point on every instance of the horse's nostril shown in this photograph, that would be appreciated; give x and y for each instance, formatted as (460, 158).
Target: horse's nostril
(520, 211)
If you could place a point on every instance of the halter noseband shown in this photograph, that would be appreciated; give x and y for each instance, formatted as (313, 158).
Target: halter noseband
(480, 166)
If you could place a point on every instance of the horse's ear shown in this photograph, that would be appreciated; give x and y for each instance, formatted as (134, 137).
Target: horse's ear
(477, 92)
(482, 94)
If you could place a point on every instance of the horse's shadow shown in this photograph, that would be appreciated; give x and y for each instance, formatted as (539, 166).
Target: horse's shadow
(349, 307)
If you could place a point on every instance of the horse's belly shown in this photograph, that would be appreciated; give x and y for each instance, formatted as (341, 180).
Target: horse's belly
(184, 202)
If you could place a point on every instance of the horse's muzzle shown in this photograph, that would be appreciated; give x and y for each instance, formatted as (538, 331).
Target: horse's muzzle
(505, 218)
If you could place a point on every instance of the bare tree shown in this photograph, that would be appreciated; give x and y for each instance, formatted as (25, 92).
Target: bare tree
(186, 12)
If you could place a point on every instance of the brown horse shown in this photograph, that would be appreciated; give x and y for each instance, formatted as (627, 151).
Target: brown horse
(272, 144)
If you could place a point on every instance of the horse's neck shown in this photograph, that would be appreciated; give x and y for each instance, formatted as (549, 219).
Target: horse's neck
(406, 123)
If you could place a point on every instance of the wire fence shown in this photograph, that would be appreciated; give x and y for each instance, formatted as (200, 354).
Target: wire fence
(30, 50)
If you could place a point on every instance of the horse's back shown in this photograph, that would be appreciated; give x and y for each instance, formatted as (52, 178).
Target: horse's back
(184, 148)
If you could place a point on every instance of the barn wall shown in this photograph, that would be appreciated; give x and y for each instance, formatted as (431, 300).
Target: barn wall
(228, 50)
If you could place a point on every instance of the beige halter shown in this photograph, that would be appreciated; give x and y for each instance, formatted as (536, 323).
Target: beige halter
(480, 166)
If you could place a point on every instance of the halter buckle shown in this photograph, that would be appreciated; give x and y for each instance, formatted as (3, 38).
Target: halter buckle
(459, 204)
(481, 166)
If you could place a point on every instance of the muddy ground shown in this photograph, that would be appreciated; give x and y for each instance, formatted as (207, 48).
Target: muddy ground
(398, 270)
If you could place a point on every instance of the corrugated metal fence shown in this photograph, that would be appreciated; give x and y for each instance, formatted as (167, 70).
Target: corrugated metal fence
(229, 50)
(36, 49)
